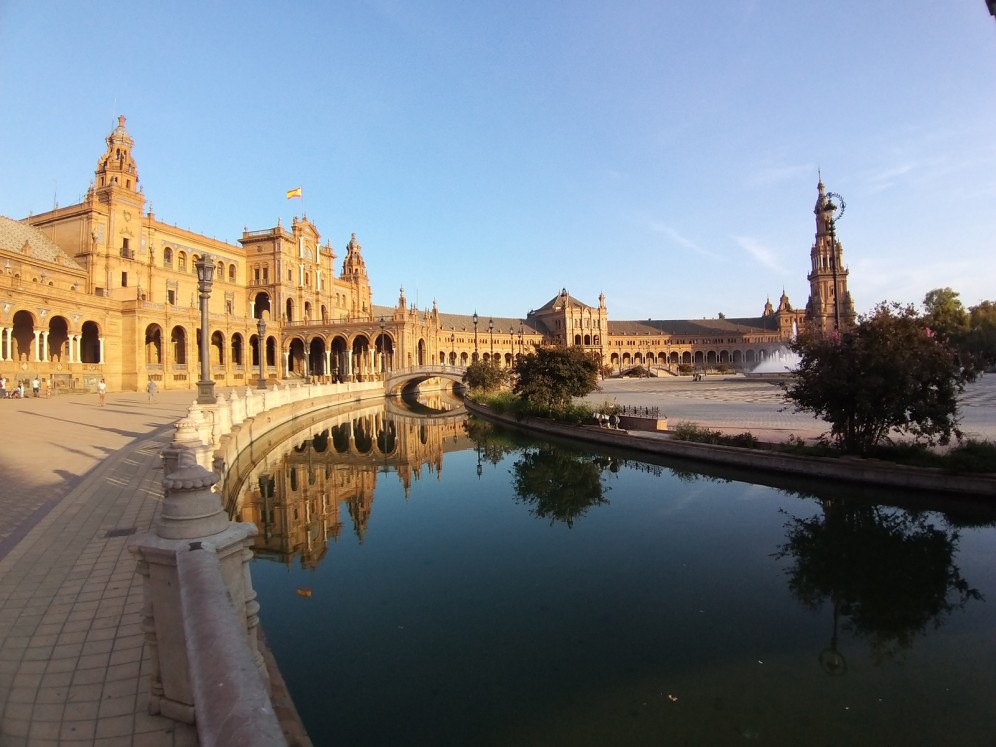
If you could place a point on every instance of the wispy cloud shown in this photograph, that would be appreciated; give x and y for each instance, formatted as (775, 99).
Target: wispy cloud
(760, 253)
(680, 240)
(886, 178)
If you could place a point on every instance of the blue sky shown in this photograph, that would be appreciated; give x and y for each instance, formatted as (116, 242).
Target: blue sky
(488, 154)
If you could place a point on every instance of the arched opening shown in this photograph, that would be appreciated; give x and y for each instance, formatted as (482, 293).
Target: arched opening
(24, 336)
(421, 353)
(289, 315)
(362, 363)
(58, 338)
(178, 342)
(385, 352)
(154, 345)
(295, 357)
(217, 349)
(237, 348)
(260, 304)
(90, 343)
(317, 357)
(339, 362)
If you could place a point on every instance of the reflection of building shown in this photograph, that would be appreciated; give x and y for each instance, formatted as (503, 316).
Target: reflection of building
(103, 288)
(309, 486)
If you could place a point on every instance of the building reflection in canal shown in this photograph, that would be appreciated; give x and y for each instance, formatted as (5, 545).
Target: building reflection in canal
(312, 487)
(542, 594)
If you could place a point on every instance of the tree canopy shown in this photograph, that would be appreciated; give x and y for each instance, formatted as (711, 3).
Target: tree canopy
(890, 373)
(486, 375)
(552, 376)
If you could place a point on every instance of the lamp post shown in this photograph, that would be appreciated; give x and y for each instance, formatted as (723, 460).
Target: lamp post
(476, 320)
(205, 278)
(491, 331)
(453, 350)
(829, 209)
(520, 340)
(261, 350)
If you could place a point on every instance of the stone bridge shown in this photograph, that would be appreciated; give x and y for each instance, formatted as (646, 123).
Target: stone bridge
(404, 378)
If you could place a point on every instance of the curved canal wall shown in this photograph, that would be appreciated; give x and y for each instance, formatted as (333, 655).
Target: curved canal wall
(845, 469)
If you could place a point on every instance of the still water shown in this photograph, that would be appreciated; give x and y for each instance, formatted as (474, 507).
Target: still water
(423, 582)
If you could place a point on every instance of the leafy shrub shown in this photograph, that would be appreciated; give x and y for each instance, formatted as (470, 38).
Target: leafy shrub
(686, 431)
(972, 456)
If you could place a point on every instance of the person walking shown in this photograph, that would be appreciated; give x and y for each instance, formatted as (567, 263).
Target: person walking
(35, 386)
(151, 388)
(101, 392)
(47, 387)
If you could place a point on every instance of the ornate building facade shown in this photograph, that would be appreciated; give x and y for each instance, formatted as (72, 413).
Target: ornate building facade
(104, 290)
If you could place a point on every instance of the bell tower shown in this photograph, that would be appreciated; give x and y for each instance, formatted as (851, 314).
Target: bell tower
(116, 175)
(830, 306)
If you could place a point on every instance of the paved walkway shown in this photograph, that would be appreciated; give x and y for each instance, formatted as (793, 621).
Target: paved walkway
(78, 480)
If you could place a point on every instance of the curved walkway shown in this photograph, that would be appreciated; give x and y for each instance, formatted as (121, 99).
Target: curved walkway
(78, 480)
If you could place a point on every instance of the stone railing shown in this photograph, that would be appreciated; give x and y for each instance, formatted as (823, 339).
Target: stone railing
(201, 614)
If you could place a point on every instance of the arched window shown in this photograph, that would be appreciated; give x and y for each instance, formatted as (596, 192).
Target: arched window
(167, 257)
(181, 261)
(231, 273)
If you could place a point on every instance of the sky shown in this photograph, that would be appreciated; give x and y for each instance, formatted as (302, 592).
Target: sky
(489, 153)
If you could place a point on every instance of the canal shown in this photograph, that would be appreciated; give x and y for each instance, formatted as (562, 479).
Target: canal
(425, 580)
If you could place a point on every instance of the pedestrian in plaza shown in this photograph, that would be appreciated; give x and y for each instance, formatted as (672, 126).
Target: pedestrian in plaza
(151, 388)
(101, 392)
(3, 387)
(35, 386)
(47, 387)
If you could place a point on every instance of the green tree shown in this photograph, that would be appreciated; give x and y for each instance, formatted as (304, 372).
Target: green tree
(550, 377)
(946, 315)
(486, 375)
(981, 338)
(891, 372)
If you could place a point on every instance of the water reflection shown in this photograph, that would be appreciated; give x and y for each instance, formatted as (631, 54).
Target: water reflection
(888, 573)
(312, 486)
(688, 609)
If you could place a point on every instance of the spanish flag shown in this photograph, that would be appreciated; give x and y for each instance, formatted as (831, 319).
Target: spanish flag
(296, 192)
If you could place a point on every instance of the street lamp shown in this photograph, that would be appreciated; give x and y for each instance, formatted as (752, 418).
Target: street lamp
(452, 349)
(491, 331)
(829, 209)
(476, 319)
(520, 340)
(205, 278)
(261, 349)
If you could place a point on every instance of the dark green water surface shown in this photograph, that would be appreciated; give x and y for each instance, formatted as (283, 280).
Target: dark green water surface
(421, 584)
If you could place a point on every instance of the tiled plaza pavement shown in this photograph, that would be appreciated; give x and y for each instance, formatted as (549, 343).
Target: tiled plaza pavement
(77, 480)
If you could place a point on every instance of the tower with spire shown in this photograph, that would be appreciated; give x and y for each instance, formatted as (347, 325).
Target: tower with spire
(830, 303)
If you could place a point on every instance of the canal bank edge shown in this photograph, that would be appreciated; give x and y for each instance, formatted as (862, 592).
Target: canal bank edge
(845, 469)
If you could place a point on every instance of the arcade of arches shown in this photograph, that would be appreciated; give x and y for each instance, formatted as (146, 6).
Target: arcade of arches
(103, 289)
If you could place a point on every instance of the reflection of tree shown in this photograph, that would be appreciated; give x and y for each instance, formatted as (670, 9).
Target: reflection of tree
(887, 572)
(493, 444)
(560, 485)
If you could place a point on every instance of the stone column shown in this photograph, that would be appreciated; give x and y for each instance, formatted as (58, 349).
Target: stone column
(45, 352)
(37, 344)
(101, 358)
